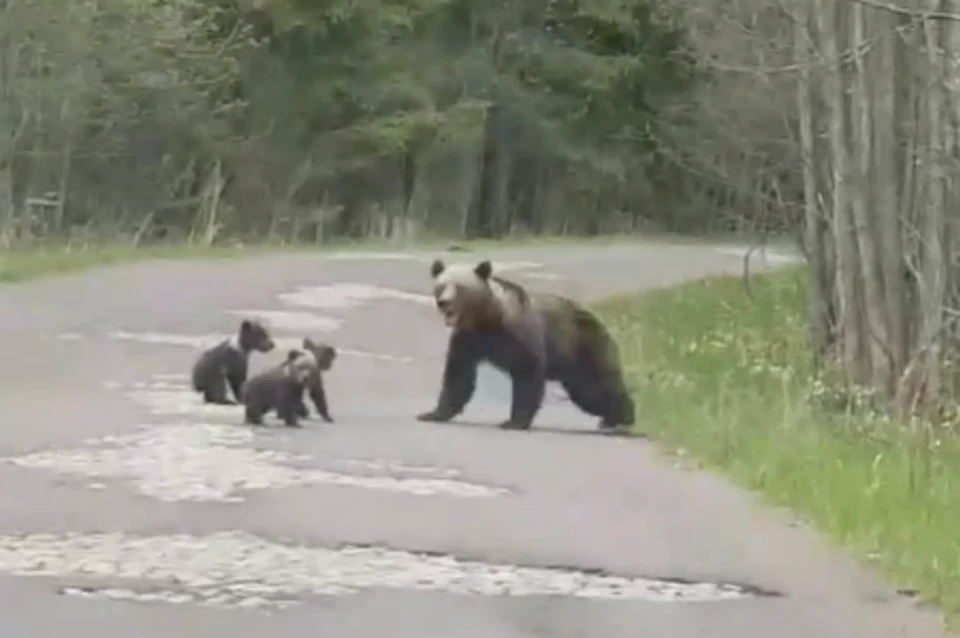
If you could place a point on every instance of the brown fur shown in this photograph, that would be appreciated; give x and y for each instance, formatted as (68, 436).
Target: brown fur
(533, 337)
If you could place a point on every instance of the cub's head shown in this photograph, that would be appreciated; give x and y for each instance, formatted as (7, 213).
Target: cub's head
(322, 352)
(470, 297)
(254, 336)
(300, 364)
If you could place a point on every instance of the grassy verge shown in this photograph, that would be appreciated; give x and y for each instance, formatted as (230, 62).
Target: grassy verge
(42, 259)
(26, 263)
(727, 380)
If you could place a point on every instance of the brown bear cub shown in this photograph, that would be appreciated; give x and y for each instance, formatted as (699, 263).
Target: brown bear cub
(534, 338)
(227, 363)
(324, 355)
(280, 389)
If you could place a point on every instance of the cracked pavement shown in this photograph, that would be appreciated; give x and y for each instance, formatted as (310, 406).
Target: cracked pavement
(132, 510)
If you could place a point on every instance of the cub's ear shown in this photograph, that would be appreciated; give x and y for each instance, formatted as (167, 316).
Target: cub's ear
(483, 270)
(307, 343)
(293, 355)
(246, 325)
(436, 268)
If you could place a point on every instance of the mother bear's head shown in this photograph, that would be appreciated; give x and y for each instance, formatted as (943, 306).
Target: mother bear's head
(473, 298)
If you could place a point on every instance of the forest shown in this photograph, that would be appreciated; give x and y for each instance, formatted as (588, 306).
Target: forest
(296, 121)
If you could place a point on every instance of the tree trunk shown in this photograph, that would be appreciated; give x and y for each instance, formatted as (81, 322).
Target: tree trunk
(848, 306)
(488, 210)
(933, 271)
(889, 81)
(819, 306)
(874, 315)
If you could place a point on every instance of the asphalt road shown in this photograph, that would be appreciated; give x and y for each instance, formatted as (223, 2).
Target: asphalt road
(133, 511)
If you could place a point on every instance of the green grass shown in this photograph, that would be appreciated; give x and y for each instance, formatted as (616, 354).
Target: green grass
(728, 381)
(40, 259)
(28, 263)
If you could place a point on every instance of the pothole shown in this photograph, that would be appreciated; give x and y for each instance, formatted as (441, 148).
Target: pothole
(208, 462)
(238, 569)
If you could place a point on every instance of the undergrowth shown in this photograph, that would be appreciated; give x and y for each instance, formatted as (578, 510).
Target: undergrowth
(728, 379)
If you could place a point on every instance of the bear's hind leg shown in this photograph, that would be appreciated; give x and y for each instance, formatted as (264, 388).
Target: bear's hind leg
(289, 416)
(601, 397)
(288, 405)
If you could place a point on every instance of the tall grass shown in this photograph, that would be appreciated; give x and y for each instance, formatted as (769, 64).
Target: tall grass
(728, 379)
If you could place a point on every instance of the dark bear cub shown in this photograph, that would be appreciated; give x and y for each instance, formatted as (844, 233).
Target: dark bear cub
(324, 354)
(227, 363)
(279, 389)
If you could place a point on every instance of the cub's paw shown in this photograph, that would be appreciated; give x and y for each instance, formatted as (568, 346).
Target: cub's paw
(510, 424)
(328, 419)
(432, 417)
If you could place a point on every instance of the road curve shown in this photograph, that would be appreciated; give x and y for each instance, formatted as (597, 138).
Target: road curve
(134, 511)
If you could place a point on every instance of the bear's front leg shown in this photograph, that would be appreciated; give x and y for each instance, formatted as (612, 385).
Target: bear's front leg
(459, 380)
(236, 374)
(319, 397)
(216, 392)
(527, 391)
(253, 414)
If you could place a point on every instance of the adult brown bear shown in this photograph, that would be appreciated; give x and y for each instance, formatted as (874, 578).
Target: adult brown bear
(534, 338)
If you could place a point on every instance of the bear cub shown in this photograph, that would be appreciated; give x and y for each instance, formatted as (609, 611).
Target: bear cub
(227, 363)
(324, 354)
(280, 389)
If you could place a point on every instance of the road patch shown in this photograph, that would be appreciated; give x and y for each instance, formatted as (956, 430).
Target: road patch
(347, 295)
(207, 462)
(292, 321)
(236, 569)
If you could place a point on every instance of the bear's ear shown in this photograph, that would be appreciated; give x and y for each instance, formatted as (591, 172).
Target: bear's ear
(483, 270)
(436, 268)
(246, 326)
(307, 343)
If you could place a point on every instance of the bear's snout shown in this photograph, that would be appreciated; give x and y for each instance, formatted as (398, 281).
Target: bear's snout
(447, 309)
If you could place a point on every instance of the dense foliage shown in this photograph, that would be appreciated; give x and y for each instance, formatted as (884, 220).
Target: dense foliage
(299, 120)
